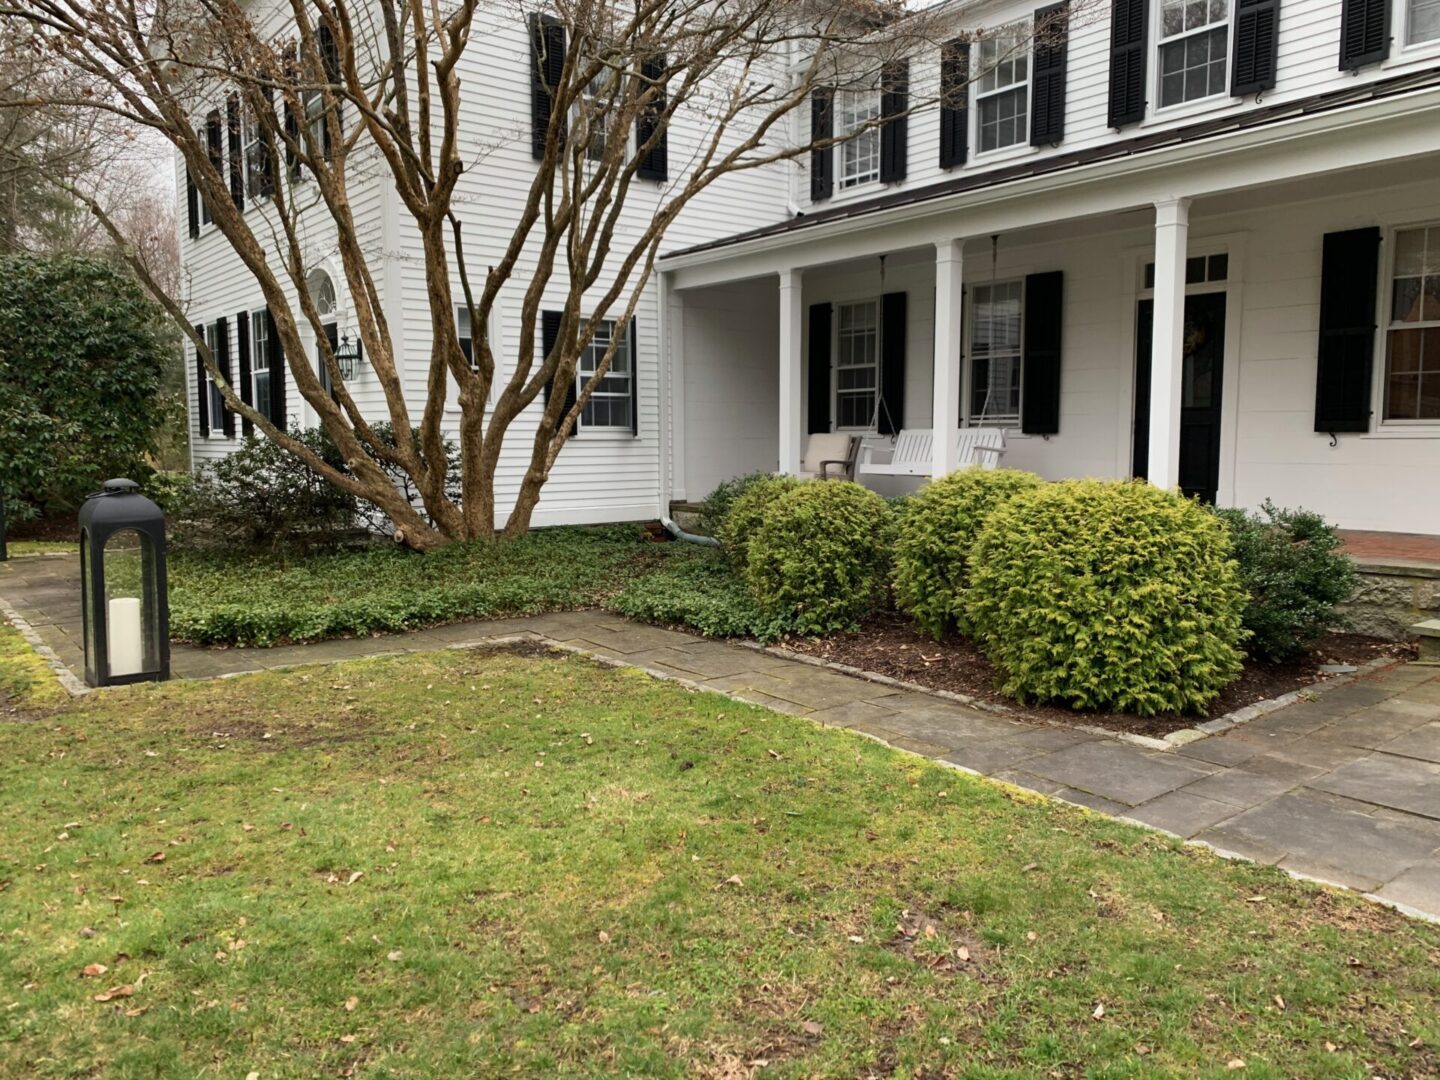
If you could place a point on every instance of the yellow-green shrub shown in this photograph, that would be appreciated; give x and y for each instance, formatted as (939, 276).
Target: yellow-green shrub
(936, 530)
(747, 511)
(1107, 595)
(822, 555)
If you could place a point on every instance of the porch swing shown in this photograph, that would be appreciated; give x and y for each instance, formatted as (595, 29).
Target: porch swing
(912, 450)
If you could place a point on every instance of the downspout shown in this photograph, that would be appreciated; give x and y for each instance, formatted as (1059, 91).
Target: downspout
(690, 538)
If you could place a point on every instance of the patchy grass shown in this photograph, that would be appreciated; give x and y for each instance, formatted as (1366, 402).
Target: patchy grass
(42, 547)
(486, 864)
(26, 681)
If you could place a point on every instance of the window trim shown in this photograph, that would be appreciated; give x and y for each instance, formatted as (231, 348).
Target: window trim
(1402, 38)
(875, 303)
(623, 348)
(252, 150)
(463, 309)
(1383, 426)
(585, 99)
(203, 215)
(973, 419)
(260, 355)
(1025, 28)
(1158, 41)
(214, 403)
(844, 138)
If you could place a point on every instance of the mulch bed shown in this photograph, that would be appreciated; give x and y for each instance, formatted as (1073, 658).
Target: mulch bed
(888, 644)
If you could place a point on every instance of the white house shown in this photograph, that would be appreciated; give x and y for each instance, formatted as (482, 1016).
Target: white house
(1193, 240)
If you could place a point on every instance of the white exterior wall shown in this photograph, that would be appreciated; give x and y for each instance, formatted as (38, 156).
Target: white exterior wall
(1307, 63)
(1385, 480)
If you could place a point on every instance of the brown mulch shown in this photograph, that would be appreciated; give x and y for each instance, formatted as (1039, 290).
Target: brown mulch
(888, 644)
(65, 527)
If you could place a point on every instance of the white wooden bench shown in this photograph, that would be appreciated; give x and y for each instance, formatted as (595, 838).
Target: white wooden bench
(912, 452)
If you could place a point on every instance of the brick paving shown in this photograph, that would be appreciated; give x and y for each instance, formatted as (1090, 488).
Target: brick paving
(1344, 788)
(1366, 546)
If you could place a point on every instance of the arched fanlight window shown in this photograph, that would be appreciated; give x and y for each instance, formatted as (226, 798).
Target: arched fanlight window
(322, 292)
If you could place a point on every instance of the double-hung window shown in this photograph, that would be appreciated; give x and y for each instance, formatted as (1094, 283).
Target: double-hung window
(1422, 21)
(214, 400)
(260, 361)
(1412, 347)
(252, 143)
(857, 364)
(465, 334)
(1002, 93)
(858, 112)
(591, 113)
(995, 353)
(1194, 47)
(612, 400)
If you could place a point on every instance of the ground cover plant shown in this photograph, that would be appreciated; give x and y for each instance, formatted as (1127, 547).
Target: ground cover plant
(481, 864)
(696, 587)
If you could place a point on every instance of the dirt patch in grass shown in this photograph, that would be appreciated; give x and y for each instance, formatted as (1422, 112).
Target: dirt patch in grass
(889, 644)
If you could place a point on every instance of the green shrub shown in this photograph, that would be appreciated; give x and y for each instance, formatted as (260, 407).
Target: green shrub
(715, 507)
(822, 555)
(263, 498)
(1107, 595)
(748, 511)
(697, 587)
(1293, 568)
(936, 528)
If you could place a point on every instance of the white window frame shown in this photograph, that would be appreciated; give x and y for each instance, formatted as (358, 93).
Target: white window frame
(1158, 42)
(252, 149)
(872, 330)
(214, 401)
(585, 366)
(1407, 28)
(588, 101)
(203, 215)
(1388, 325)
(260, 360)
(1018, 35)
(858, 155)
(463, 332)
(988, 418)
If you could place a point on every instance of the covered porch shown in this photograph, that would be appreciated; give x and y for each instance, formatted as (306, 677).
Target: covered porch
(1178, 339)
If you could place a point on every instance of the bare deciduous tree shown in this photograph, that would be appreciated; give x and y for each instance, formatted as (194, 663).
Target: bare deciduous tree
(354, 89)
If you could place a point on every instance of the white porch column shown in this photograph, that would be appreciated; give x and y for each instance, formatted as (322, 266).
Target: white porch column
(1172, 226)
(945, 383)
(792, 322)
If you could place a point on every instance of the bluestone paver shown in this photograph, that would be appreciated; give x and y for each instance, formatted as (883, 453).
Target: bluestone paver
(1182, 813)
(1401, 783)
(1112, 770)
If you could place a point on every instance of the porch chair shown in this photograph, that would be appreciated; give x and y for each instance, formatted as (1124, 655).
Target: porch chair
(830, 455)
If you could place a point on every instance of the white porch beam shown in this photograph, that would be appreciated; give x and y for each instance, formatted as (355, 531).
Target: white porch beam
(945, 384)
(1172, 227)
(792, 322)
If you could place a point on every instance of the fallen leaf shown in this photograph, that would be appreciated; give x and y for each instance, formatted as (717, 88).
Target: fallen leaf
(115, 992)
(350, 1003)
(733, 879)
(1331, 1047)
(252, 1076)
(857, 939)
(1029, 866)
(347, 1038)
(604, 938)
(356, 876)
(810, 1027)
(395, 955)
(1099, 1012)
(159, 856)
(90, 971)
(87, 931)
(1252, 900)
(1031, 936)
(1280, 1002)
(962, 954)
(1235, 1063)
(774, 754)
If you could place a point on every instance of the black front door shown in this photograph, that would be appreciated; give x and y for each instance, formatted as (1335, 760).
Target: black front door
(1204, 366)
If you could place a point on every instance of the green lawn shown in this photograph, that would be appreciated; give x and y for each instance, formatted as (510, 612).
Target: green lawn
(41, 547)
(496, 864)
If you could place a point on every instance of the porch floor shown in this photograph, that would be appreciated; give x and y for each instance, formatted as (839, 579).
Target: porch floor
(1407, 549)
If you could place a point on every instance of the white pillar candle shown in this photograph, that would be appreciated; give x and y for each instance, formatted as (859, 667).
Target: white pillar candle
(126, 649)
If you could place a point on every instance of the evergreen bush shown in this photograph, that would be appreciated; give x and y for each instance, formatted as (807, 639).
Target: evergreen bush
(715, 507)
(748, 510)
(936, 529)
(1107, 595)
(1294, 569)
(822, 555)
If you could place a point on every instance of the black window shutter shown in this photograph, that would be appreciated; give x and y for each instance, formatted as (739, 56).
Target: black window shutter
(654, 163)
(1047, 114)
(275, 354)
(634, 376)
(192, 203)
(954, 103)
(1040, 375)
(819, 362)
(222, 361)
(1364, 32)
(549, 335)
(266, 180)
(292, 122)
(822, 158)
(215, 141)
(242, 346)
(237, 154)
(892, 363)
(894, 105)
(330, 58)
(202, 399)
(547, 49)
(1350, 268)
(1127, 61)
(1257, 34)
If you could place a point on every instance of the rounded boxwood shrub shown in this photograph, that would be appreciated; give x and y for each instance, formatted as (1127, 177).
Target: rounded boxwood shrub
(1294, 569)
(821, 555)
(936, 527)
(1107, 595)
(748, 510)
(715, 507)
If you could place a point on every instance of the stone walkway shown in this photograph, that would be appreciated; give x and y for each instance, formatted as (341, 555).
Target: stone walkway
(1344, 788)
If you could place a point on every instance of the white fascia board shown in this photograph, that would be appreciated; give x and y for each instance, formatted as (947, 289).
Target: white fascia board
(1400, 127)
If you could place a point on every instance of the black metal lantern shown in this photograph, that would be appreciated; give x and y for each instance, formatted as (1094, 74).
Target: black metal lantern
(122, 587)
(4, 550)
(348, 356)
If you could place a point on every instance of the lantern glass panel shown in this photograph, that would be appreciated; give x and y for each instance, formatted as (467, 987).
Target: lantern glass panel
(88, 612)
(132, 615)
